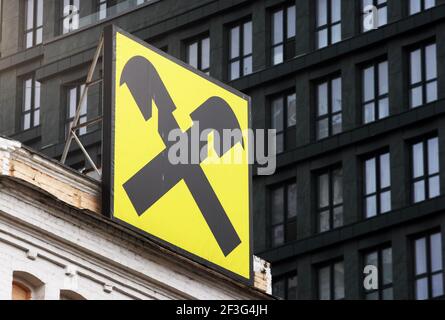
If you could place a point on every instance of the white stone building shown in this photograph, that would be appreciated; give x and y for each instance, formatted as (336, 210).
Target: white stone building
(55, 244)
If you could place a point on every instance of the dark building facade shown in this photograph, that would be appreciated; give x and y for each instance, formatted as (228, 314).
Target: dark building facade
(354, 88)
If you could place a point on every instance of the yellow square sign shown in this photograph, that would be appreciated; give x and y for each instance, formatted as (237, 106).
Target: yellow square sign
(176, 156)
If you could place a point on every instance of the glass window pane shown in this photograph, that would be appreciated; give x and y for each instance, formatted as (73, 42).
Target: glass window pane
(416, 97)
(387, 266)
(388, 294)
(336, 33)
(324, 284)
(280, 143)
(292, 285)
(339, 280)
(278, 114)
(436, 252)
(247, 68)
(371, 259)
(322, 99)
(383, 78)
(430, 3)
(431, 92)
(28, 94)
(385, 171)
(383, 108)
(205, 54)
(416, 66)
(369, 112)
(385, 202)
(322, 12)
(291, 110)
(39, 13)
(247, 38)
(414, 6)
(278, 235)
(322, 37)
(72, 102)
(29, 14)
(234, 42)
(335, 11)
(420, 255)
(337, 126)
(418, 164)
(437, 285)
(29, 39)
(193, 55)
(338, 217)
(370, 170)
(371, 207)
(278, 288)
(433, 155)
(83, 108)
(431, 62)
(323, 129)
(324, 221)
(37, 88)
(336, 95)
(27, 121)
(36, 118)
(291, 22)
(277, 203)
(292, 200)
(338, 186)
(323, 190)
(234, 70)
(278, 55)
(422, 289)
(434, 187)
(368, 84)
(419, 191)
(39, 35)
(277, 27)
(383, 16)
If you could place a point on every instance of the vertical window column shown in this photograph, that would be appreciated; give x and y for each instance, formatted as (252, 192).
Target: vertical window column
(328, 22)
(375, 99)
(283, 202)
(377, 185)
(73, 97)
(70, 15)
(198, 54)
(285, 287)
(283, 34)
(382, 261)
(283, 118)
(331, 280)
(33, 23)
(375, 14)
(423, 75)
(330, 199)
(416, 6)
(329, 108)
(31, 103)
(240, 51)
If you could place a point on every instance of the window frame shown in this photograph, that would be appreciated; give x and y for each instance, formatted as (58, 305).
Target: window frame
(426, 176)
(377, 156)
(381, 286)
(287, 130)
(287, 42)
(428, 274)
(69, 120)
(331, 265)
(286, 222)
(63, 16)
(422, 7)
(328, 26)
(241, 58)
(377, 96)
(198, 40)
(286, 279)
(378, 7)
(35, 26)
(423, 83)
(331, 206)
(32, 108)
(329, 114)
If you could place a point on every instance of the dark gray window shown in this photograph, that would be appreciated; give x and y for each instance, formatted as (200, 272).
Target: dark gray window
(375, 14)
(283, 209)
(73, 97)
(416, 6)
(33, 23)
(240, 51)
(70, 15)
(328, 22)
(283, 119)
(381, 259)
(329, 108)
(331, 280)
(285, 287)
(428, 267)
(425, 169)
(377, 185)
(198, 54)
(423, 75)
(283, 34)
(330, 199)
(375, 85)
(31, 103)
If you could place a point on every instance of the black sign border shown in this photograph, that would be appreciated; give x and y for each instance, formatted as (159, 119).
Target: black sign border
(108, 138)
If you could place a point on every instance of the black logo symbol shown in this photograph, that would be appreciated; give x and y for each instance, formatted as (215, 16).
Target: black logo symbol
(159, 176)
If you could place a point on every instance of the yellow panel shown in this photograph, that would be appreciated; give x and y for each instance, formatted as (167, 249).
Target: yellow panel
(175, 218)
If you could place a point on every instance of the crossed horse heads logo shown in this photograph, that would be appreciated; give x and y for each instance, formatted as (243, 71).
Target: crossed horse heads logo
(159, 176)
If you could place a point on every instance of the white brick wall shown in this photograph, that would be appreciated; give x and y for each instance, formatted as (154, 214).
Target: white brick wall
(69, 250)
